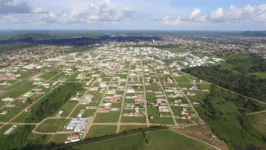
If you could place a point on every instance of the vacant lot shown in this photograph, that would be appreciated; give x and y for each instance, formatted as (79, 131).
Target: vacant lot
(96, 131)
(51, 125)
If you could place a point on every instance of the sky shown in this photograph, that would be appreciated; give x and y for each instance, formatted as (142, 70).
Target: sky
(222, 15)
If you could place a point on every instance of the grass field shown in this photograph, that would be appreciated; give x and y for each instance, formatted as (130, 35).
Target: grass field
(14, 93)
(12, 112)
(134, 119)
(22, 118)
(50, 74)
(38, 137)
(176, 49)
(59, 138)
(51, 125)
(156, 116)
(96, 131)
(202, 132)
(87, 112)
(128, 128)
(261, 75)
(204, 86)
(182, 79)
(3, 129)
(259, 122)
(107, 117)
(67, 108)
(155, 140)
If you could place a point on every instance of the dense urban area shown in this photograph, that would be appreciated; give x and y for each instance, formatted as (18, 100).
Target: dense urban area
(133, 91)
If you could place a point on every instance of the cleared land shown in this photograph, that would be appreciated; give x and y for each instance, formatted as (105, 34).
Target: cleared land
(97, 131)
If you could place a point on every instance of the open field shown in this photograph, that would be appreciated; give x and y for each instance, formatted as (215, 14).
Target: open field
(101, 130)
(162, 139)
(51, 125)
(134, 119)
(131, 127)
(202, 132)
(259, 122)
(156, 116)
(107, 117)
(59, 139)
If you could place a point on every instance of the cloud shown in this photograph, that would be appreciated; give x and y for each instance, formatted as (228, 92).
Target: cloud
(14, 6)
(102, 11)
(193, 17)
(233, 14)
(248, 13)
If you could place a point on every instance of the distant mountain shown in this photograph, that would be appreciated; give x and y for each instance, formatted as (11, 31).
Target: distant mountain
(254, 33)
(35, 36)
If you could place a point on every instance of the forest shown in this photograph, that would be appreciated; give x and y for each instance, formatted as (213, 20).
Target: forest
(239, 77)
(52, 102)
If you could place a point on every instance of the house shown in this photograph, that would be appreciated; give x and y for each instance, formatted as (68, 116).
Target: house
(73, 137)
(86, 100)
(131, 90)
(163, 109)
(112, 92)
(8, 99)
(94, 89)
(4, 112)
(10, 130)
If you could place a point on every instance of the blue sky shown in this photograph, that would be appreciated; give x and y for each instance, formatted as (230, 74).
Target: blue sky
(134, 14)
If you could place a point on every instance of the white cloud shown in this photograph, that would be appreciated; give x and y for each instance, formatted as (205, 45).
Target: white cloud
(194, 17)
(101, 11)
(233, 14)
(14, 6)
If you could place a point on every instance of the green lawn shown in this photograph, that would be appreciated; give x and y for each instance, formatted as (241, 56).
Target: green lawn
(259, 122)
(51, 125)
(155, 140)
(96, 131)
(107, 117)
